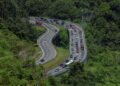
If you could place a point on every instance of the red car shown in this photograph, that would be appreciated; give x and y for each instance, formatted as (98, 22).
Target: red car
(62, 65)
(82, 47)
(81, 40)
(38, 23)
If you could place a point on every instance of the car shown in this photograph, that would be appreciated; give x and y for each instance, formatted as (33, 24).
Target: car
(72, 49)
(75, 30)
(67, 61)
(57, 70)
(68, 68)
(72, 39)
(62, 23)
(65, 66)
(71, 25)
(82, 47)
(70, 61)
(77, 50)
(51, 20)
(45, 20)
(55, 30)
(71, 32)
(41, 18)
(71, 56)
(42, 60)
(57, 22)
(38, 23)
(75, 58)
(80, 32)
(61, 65)
(81, 40)
(71, 44)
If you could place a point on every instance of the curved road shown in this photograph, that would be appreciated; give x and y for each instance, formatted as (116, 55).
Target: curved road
(45, 42)
(78, 49)
(77, 44)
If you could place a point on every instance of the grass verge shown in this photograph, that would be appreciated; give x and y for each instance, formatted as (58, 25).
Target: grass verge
(62, 54)
(62, 50)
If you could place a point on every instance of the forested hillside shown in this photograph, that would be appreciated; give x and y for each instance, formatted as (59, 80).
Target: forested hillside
(100, 20)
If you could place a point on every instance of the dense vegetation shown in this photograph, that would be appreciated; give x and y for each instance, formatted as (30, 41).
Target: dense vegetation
(101, 22)
(18, 47)
(62, 38)
(16, 61)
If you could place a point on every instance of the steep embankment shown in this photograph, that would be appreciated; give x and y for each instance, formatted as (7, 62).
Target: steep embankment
(16, 65)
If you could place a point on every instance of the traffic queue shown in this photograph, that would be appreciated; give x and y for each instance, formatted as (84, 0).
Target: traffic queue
(77, 43)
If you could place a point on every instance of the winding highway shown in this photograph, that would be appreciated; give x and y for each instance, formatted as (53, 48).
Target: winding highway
(45, 42)
(77, 44)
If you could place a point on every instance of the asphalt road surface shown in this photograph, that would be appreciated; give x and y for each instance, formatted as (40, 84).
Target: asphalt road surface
(77, 47)
(77, 44)
(45, 42)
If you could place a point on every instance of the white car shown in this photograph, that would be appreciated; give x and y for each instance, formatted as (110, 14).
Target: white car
(69, 62)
